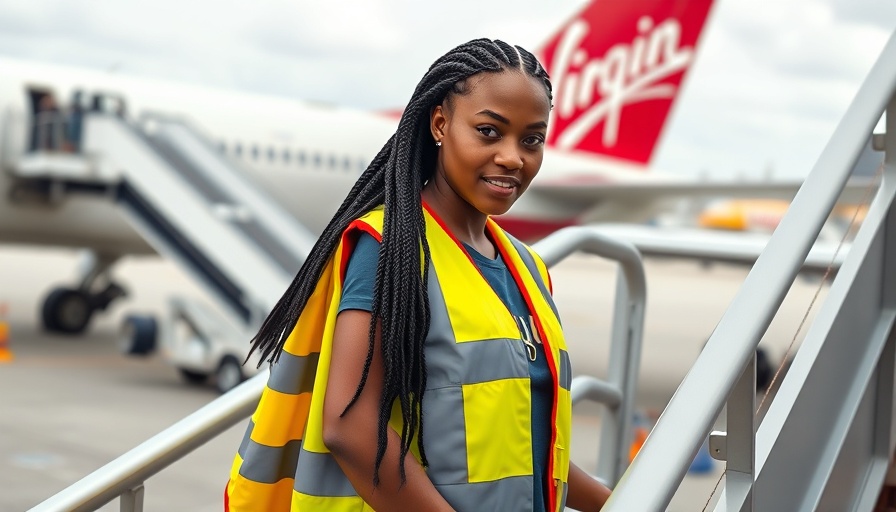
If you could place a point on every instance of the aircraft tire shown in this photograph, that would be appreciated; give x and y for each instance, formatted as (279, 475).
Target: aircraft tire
(66, 311)
(229, 374)
(138, 335)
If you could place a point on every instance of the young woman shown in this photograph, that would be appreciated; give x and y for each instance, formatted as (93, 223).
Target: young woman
(418, 360)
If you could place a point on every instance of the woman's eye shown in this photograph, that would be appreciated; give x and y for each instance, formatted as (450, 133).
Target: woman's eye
(533, 140)
(488, 131)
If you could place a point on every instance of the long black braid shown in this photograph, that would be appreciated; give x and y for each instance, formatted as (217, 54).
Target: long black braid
(395, 178)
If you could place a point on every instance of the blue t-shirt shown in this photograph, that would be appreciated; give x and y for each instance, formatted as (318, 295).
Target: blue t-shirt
(357, 293)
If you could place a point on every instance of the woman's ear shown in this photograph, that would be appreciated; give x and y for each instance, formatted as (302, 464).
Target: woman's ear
(437, 122)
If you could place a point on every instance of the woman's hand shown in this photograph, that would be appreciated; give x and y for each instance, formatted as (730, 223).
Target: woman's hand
(585, 493)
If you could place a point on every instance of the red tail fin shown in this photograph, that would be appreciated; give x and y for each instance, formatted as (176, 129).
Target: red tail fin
(616, 68)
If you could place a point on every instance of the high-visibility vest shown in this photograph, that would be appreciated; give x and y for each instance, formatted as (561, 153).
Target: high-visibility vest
(477, 403)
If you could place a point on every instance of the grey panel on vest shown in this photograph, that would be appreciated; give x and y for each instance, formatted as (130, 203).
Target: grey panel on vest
(269, 464)
(511, 494)
(565, 370)
(450, 363)
(245, 442)
(440, 339)
(492, 360)
(445, 439)
(320, 475)
(293, 374)
(563, 494)
(533, 269)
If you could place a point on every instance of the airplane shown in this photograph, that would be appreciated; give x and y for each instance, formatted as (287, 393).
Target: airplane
(617, 68)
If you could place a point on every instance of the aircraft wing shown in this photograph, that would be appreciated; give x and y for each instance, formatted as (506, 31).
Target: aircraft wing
(584, 189)
(707, 245)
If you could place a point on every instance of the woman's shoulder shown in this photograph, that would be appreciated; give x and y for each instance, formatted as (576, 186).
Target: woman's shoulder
(371, 222)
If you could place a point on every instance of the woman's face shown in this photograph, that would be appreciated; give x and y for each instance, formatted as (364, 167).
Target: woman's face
(492, 140)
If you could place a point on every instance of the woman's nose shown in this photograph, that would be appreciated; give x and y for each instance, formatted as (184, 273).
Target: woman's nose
(508, 156)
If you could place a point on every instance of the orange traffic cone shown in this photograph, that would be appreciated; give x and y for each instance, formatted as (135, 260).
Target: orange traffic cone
(5, 353)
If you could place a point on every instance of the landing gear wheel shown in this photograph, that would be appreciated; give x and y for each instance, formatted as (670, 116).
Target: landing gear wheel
(191, 377)
(229, 374)
(67, 311)
(138, 335)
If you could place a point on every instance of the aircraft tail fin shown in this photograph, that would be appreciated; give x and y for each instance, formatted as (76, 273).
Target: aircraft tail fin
(616, 69)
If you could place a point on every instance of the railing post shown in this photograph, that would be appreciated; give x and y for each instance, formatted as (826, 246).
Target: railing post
(740, 471)
(625, 349)
(884, 425)
(132, 499)
(615, 435)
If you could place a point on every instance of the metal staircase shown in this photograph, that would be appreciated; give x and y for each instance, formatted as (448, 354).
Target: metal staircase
(827, 439)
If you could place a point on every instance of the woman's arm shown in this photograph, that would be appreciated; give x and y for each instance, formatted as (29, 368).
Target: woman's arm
(585, 493)
(352, 439)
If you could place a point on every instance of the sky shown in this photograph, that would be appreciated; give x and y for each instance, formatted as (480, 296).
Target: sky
(771, 80)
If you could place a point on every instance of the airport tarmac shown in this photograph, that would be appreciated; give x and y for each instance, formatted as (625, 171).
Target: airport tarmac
(71, 405)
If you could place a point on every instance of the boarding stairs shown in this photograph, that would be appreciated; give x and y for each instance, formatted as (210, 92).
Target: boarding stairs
(826, 441)
(193, 206)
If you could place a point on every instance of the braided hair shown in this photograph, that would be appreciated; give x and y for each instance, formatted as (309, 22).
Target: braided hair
(395, 178)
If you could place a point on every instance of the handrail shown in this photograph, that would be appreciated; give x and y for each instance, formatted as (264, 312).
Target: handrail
(125, 475)
(625, 347)
(566, 241)
(656, 472)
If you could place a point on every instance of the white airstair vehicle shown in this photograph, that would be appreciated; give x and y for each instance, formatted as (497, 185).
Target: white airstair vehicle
(826, 441)
(192, 206)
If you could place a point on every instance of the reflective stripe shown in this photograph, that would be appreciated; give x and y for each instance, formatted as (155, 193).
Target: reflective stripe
(293, 374)
(320, 475)
(453, 364)
(245, 442)
(565, 370)
(514, 493)
(439, 339)
(446, 443)
(564, 490)
(268, 464)
(527, 258)
(446, 437)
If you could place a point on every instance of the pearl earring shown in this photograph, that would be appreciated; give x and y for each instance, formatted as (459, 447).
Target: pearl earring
(438, 143)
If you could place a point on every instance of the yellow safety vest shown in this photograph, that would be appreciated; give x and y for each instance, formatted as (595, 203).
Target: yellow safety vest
(477, 402)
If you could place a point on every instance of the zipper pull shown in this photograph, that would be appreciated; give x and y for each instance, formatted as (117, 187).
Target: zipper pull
(526, 335)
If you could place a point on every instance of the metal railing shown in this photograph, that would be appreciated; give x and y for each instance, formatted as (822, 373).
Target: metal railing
(56, 130)
(724, 371)
(124, 477)
(617, 394)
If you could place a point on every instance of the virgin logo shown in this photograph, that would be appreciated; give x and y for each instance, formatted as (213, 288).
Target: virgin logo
(627, 73)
